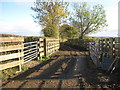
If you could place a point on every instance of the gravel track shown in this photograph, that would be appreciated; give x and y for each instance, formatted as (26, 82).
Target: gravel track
(68, 68)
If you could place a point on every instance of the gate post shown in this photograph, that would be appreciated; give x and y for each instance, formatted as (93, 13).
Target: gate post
(45, 47)
(38, 49)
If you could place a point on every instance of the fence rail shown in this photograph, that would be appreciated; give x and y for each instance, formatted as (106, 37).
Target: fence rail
(13, 58)
(11, 39)
(14, 51)
(104, 52)
(30, 51)
(51, 46)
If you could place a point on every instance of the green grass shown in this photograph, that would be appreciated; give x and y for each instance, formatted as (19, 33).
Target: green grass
(1, 75)
(24, 68)
(5, 74)
(5, 78)
(44, 59)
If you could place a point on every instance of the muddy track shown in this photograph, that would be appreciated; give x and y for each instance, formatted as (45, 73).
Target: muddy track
(67, 69)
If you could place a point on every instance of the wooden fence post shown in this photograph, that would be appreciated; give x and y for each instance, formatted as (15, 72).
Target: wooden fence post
(103, 45)
(100, 45)
(116, 47)
(111, 48)
(45, 47)
(20, 61)
(38, 49)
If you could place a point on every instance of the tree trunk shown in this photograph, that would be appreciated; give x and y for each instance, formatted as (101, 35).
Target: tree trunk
(81, 36)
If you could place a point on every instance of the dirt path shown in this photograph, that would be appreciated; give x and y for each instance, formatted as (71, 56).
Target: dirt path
(69, 68)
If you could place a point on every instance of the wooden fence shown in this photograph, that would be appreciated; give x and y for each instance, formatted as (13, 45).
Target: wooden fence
(11, 50)
(104, 51)
(15, 52)
(52, 45)
(48, 46)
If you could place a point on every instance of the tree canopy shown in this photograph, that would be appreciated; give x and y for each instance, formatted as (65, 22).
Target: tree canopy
(83, 19)
(50, 13)
(88, 20)
(50, 31)
(67, 31)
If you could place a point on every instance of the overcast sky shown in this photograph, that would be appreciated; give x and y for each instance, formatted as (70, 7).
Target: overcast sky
(15, 17)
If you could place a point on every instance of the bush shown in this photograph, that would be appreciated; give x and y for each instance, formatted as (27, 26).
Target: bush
(50, 31)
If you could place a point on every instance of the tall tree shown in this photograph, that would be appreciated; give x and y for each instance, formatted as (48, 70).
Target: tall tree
(88, 20)
(50, 13)
(50, 31)
(67, 31)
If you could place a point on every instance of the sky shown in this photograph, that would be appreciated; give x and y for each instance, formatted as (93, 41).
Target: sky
(16, 17)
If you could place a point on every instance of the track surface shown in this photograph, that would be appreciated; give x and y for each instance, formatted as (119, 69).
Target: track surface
(68, 68)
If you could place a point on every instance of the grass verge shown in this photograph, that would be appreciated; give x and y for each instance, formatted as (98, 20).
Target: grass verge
(10, 72)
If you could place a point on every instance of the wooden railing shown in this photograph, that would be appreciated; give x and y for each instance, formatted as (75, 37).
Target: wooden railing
(52, 45)
(48, 46)
(11, 50)
(104, 52)
(15, 52)
(42, 47)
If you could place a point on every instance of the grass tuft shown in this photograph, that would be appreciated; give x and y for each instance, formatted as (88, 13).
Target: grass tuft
(44, 59)
(24, 68)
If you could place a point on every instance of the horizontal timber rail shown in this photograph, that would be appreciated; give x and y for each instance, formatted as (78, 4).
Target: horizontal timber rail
(11, 50)
(15, 51)
(104, 52)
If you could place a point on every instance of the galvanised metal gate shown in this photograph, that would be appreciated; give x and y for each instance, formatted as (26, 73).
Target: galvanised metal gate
(31, 50)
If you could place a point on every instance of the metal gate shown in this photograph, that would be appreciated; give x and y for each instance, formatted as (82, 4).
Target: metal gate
(31, 50)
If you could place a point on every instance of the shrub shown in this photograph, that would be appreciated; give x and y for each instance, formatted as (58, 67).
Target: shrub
(50, 31)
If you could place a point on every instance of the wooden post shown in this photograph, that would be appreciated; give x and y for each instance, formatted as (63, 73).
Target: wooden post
(38, 49)
(103, 46)
(111, 48)
(22, 50)
(45, 47)
(116, 47)
(100, 45)
(19, 61)
(21, 58)
(106, 43)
